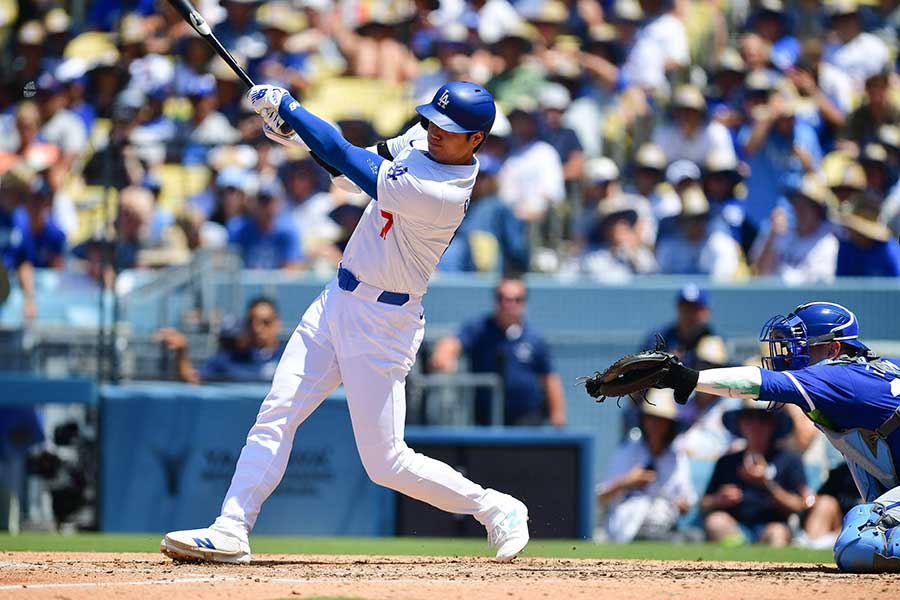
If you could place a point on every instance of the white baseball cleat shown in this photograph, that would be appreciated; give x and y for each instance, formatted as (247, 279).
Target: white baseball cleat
(206, 545)
(510, 536)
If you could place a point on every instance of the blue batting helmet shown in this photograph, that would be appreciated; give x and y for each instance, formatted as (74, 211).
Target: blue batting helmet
(460, 107)
(785, 340)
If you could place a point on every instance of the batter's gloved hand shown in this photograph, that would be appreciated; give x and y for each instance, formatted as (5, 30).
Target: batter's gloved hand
(265, 101)
(635, 373)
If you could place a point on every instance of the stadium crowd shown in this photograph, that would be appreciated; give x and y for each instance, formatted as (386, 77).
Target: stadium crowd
(653, 136)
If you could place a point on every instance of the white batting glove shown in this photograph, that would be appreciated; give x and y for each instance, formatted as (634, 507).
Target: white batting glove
(265, 100)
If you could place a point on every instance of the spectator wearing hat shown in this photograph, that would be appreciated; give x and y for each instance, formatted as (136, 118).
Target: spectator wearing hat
(690, 135)
(207, 127)
(452, 48)
(857, 53)
(346, 217)
(647, 485)
(601, 181)
(848, 179)
(61, 127)
(753, 492)
(307, 204)
(530, 192)
(491, 238)
(494, 19)
(889, 136)
(15, 185)
(553, 100)
(619, 252)
(280, 66)
(194, 55)
(648, 174)
(155, 133)
(779, 149)
(239, 30)
(704, 437)
(660, 46)
(29, 53)
(874, 161)
(247, 352)
(721, 177)
(264, 240)
(876, 111)
(806, 251)
(868, 250)
(774, 24)
(41, 242)
(515, 82)
(825, 91)
(229, 196)
(681, 175)
(692, 323)
(133, 227)
(72, 74)
(115, 161)
(726, 90)
(696, 248)
(106, 77)
(378, 48)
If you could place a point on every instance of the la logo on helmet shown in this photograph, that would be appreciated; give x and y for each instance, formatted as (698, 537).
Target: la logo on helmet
(444, 100)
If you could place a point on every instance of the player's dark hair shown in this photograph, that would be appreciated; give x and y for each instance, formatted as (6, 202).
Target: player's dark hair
(262, 300)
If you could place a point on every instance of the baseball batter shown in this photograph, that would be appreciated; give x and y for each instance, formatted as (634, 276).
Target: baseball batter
(365, 328)
(814, 359)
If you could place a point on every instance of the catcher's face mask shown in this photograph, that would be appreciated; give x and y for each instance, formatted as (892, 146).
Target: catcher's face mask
(784, 343)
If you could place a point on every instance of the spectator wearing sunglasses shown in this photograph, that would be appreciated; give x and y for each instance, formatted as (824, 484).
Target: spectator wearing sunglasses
(503, 342)
(250, 353)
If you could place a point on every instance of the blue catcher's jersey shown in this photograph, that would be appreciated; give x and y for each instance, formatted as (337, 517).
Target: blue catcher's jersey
(848, 401)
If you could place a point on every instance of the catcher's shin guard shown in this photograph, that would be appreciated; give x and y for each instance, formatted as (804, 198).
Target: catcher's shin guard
(865, 545)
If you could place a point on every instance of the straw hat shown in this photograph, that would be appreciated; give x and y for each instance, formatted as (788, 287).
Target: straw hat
(552, 11)
(850, 176)
(783, 423)
(730, 60)
(874, 153)
(280, 16)
(814, 189)
(651, 156)
(690, 97)
(711, 351)
(57, 20)
(627, 11)
(32, 33)
(616, 205)
(860, 214)
(693, 203)
(660, 403)
(601, 170)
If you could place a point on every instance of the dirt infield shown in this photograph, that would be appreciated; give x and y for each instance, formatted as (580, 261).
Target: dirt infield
(80, 576)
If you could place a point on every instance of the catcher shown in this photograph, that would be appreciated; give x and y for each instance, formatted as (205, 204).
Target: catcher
(813, 358)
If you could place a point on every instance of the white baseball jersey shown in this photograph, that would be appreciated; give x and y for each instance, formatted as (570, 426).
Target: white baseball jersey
(421, 202)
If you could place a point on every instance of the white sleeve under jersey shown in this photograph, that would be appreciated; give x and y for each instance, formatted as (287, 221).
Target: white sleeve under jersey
(402, 236)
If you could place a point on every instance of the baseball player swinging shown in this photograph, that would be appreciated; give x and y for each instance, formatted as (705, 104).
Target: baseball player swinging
(813, 358)
(365, 328)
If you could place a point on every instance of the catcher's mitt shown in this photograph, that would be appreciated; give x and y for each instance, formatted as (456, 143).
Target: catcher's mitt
(630, 374)
(634, 373)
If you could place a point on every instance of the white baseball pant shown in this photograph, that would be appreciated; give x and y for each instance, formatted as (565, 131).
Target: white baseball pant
(371, 347)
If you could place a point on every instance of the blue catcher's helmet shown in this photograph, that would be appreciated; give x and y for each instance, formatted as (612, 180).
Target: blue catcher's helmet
(785, 340)
(461, 107)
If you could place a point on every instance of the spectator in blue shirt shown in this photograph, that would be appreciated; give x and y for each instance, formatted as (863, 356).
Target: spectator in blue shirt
(491, 237)
(779, 149)
(250, 353)
(773, 24)
(502, 342)
(43, 243)
(868, 249)
(264, 240)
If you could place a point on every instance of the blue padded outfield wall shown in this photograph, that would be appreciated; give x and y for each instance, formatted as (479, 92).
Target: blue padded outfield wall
(169, 451)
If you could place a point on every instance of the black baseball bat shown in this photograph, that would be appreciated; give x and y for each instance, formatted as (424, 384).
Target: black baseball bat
(190, 14)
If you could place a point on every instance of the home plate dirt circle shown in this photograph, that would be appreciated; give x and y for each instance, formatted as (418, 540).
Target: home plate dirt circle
(89, 576)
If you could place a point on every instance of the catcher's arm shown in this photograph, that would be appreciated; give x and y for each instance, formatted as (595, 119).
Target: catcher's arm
(731, 382)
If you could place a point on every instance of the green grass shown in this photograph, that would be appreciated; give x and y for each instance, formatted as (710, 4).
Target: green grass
(94, 542)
